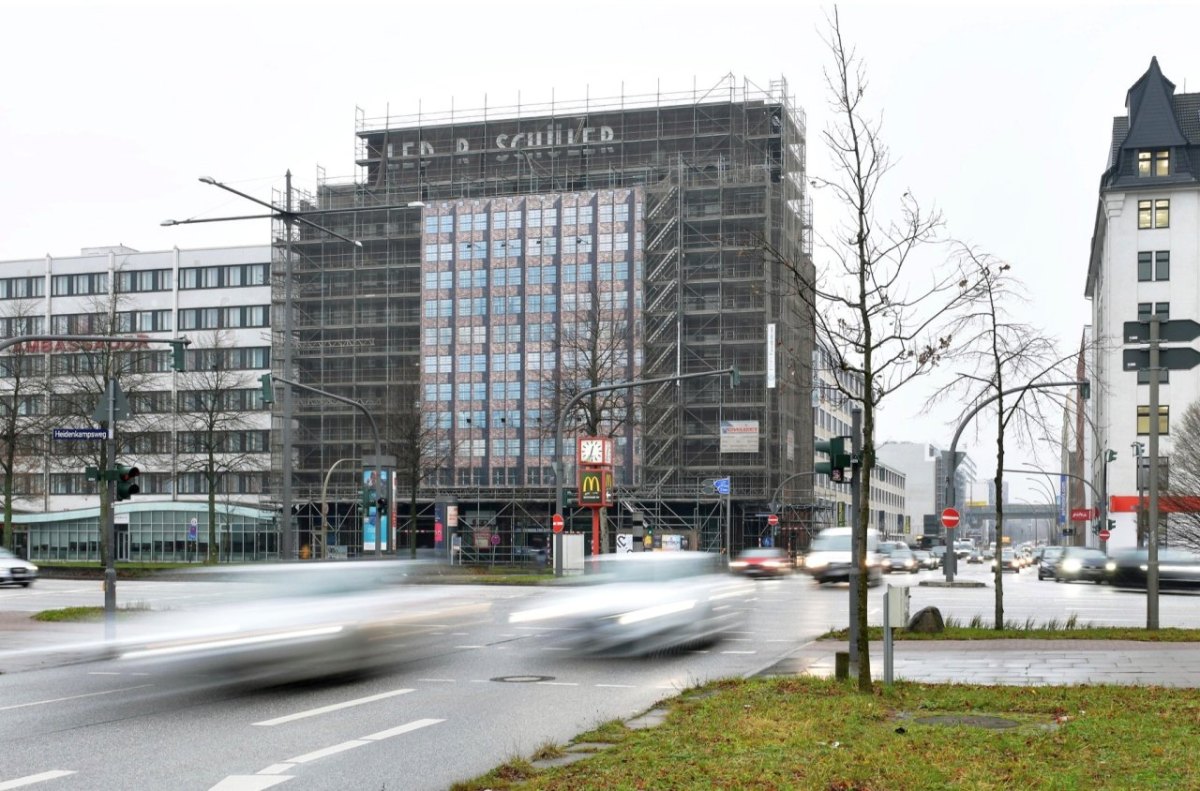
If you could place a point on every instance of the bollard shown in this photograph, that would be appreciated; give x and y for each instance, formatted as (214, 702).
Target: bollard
(841, 665)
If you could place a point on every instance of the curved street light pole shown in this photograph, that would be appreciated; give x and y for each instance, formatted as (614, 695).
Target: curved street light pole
(953, 465)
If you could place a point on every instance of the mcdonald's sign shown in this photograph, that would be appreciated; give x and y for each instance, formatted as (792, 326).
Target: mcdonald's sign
(592, 491)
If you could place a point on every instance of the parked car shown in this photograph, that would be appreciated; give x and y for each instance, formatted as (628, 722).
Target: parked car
(762, 562)
(1177, 568)
(15, 571)
(925, 559)
(828, 558)
(1081, 563)
(1008, 561)
(1050, 556)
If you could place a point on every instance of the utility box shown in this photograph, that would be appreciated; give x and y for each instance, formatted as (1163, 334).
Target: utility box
(897, 604)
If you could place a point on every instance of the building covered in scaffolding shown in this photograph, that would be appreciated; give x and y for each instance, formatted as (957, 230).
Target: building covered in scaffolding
(504, 259)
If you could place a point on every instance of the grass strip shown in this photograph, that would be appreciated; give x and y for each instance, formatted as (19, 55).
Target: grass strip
(82, 614)
(806, 733)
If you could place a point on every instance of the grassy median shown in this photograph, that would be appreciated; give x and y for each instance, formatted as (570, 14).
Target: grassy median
(1029, 629)
(806, 733)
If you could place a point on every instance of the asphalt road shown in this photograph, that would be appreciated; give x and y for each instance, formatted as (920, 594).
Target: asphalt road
(477, 693)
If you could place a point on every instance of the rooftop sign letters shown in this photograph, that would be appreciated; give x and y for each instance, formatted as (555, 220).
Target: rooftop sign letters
(553, 135)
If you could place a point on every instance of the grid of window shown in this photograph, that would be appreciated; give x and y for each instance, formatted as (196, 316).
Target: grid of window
(472, 278)
(247, 358)
(224, 318)
(436, 280)
(547, 245)
(506, 277)
(11, 326)
(226, 400)
(79, 285)
(438, 393)
(1154, 213)
(506, 391)
(506, 248)
(472, 222)
(144, 321)
(234, 276)
(1164, 419)
(145, 280)
(439, 224)
(22, 287)
(437, 336)
(223, 441)
(437, 364)
(1154, 163)
(1163, 309)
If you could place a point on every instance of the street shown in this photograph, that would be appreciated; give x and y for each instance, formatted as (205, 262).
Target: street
(480, 693)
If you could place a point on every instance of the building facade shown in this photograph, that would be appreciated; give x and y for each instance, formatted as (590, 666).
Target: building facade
(1145, 242)
(502, 249)
(925, 468)
(184, 430)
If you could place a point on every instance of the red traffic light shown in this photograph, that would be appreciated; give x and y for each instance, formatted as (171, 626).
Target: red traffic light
(129, 473)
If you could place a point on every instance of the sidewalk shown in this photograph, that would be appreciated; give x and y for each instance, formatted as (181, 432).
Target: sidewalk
(1014, 662)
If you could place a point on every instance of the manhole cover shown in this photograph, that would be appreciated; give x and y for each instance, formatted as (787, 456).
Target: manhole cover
(522, 679)
(974, 720)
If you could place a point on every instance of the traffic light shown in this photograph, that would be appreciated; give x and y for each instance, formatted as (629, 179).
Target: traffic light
(381, 504)
(127, 482)
(268, 392)
(839, 459)
(1110, 455)
(735, 378)
(177, 351)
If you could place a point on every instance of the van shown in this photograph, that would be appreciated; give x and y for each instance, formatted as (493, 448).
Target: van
(829, 558)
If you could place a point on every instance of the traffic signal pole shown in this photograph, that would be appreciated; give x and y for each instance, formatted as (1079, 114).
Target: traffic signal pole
(109, 520)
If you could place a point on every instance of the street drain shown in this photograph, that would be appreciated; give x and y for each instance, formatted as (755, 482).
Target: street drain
(522, 679)
(974, 720)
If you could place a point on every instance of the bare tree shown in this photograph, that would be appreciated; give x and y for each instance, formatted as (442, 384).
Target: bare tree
(1000, 352)
(881, 308)
(218, 437)
(22, 406)
(79, 377)
(1183, 487)
(420, 450)
(594, 349)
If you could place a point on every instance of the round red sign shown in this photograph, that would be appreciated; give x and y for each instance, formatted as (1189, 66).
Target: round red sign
(557, 523)
(772, 520)
(1104, 535)
(950, 518)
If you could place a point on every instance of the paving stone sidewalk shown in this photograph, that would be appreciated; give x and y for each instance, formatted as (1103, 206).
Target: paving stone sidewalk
(1015, 662)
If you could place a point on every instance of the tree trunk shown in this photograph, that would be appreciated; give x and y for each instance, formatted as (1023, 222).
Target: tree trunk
(212, 518)
(412, 522)
(999, 495)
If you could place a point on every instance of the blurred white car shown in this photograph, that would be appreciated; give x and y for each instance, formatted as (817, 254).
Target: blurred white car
(286, 622)
(641, 602)
(15, 571)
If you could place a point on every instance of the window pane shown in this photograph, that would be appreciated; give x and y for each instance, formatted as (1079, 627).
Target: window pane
(1144, 214)
(1162, 163)
(1143, 166)
(1143, 269)
(1162, 265)
(1162, 213)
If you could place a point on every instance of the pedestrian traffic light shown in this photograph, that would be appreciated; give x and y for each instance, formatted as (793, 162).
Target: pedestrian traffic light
(268, 392)
(735, 377)
(839, 459)
(127, 482)
(381, 504)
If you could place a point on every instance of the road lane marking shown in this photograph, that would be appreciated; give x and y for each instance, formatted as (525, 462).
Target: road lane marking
(378, 736)
(300, 715)
(447, 680)
(739, 652)
(618, 686)
(29, 780)
(558, 683)
(70, 697)
(249, 782)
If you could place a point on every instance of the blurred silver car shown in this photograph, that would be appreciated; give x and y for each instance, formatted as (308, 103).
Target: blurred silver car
(639, 603)
(287, 622)
(15, 571)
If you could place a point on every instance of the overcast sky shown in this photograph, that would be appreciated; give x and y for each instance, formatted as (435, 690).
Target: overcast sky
(998, 115)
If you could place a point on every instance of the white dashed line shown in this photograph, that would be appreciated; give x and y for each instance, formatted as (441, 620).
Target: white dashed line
(557, 684)
(69, 697)
(739, 652)
(618, 686)
(446, 680)
(29, 780)
(300, 715)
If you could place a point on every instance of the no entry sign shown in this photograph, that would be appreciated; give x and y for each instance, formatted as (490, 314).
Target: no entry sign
(950, 518)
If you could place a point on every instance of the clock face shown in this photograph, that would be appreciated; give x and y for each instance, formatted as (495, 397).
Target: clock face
(591, 451)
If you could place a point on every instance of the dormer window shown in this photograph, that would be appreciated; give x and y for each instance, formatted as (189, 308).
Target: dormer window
(1154, 163)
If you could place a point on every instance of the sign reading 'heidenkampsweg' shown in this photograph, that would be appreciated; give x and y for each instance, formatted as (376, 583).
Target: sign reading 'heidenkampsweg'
(80, 433)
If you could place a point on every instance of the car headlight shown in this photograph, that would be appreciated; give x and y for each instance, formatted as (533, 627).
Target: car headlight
(816, 563)
(738, 564)
(772, 564)
(1071, 565)
(1110, 566)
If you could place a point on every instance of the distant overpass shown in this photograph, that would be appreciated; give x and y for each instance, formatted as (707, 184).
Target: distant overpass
(1014, 511)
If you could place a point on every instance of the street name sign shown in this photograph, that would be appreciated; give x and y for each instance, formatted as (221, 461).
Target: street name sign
(1173, 331)
(80, 433)
(1179, 358)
